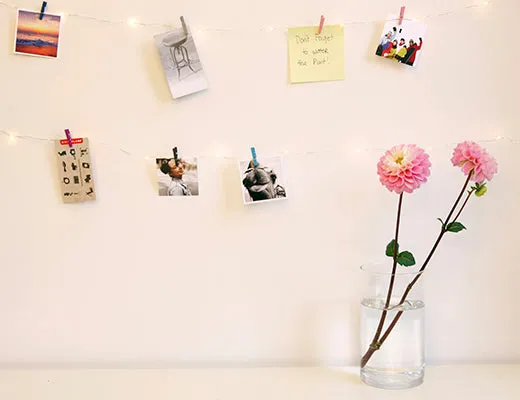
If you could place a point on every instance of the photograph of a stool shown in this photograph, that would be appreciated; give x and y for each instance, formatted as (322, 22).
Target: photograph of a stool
(178, 51)
(181, 61)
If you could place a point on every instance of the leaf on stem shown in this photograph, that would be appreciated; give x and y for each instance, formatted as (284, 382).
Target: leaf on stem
(392, 248)
(455, 227)
(481, 190)
(406, 259)
(442, 222)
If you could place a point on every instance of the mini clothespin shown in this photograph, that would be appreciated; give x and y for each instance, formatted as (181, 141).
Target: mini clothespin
(69, 138)
(322, 21)
(42, 11)
(175, 155)
(253, 154)
(184, 28)
(401, 15)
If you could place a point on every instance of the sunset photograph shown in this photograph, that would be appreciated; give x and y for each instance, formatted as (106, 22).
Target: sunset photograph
(37, 37)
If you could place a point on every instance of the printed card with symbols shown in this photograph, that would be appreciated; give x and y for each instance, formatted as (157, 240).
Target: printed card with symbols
(75, 170)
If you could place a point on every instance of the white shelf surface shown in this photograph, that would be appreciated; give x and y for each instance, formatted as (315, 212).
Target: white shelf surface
(441, 383)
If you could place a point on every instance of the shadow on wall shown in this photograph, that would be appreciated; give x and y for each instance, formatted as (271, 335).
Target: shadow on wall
(231, 189)
(333, 333)
(154, 70)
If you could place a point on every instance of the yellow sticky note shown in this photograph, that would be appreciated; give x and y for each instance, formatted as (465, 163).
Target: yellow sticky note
(314, 57)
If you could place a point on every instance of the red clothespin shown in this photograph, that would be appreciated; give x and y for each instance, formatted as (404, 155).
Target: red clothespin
(42, 11)
(401, 15)
(69, 138)
(322, 21)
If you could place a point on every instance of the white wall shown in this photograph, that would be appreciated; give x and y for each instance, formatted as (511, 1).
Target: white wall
(206, 280)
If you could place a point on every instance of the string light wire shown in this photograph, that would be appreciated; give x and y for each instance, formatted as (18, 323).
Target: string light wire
(12, 138)
(136, 23)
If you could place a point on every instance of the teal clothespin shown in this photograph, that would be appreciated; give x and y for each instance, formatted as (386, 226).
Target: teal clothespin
(253, 153)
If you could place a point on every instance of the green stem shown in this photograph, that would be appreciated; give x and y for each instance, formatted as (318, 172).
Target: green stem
(414, 281)
(375, 346)
(375, 341)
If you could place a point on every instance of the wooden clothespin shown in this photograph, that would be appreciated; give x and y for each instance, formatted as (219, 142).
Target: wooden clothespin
(320, 28)
(184, 28)
(401, 15)
(175, 155)
(42, 11)
(253, 154)
(69, 137)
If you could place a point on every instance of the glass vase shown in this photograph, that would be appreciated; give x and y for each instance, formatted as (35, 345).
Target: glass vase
(394, 360)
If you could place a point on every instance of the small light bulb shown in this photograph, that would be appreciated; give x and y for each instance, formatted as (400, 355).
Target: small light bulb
(269, 28)
(286, 152)
(486, 3)
(147, 158)
(11, 138)
(132, 21)
(358, 150)
(500, 137)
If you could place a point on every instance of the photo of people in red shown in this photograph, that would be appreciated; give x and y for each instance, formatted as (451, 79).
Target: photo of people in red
(401, 43)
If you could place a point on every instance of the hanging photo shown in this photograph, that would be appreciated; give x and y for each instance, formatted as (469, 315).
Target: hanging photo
(181, 62)
(263, 182)
(75, 170)
(402, 43)
(35, 37)
(177, 178)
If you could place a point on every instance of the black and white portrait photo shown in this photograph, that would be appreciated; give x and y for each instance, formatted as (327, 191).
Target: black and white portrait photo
(177, 177)
(264, 181)
(181, 62)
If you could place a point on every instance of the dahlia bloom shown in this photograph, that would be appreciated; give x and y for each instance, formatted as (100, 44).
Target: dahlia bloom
(470, 156)
(404, 168)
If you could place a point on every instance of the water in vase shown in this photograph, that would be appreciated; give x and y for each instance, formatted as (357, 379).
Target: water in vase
(399, 363)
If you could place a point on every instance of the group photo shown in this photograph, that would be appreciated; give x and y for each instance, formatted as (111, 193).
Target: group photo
(402, 43)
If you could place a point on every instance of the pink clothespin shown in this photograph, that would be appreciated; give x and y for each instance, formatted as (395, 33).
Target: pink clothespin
(322, 21)
(401, 15)
(69, 138)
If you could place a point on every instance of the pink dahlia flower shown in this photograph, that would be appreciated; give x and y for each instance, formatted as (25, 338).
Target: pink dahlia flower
(404, 168)
(471, 156)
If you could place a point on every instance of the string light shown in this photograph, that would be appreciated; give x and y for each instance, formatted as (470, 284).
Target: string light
(135, 23)
(222, 152)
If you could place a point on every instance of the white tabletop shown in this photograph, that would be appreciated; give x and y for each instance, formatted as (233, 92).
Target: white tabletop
(501, 382)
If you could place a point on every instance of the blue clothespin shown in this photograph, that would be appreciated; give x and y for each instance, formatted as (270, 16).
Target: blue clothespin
(44, 6)
(175, 155)
(253, 153)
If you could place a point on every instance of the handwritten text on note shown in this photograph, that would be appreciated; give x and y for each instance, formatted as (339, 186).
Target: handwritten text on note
(314, 57)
